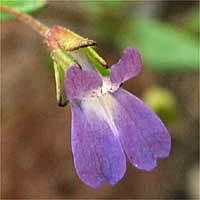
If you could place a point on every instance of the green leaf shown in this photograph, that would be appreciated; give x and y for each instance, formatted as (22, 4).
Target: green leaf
(163, 46)
(24, 6)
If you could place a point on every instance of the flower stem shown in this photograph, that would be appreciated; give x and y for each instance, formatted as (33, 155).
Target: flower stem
(35, 24)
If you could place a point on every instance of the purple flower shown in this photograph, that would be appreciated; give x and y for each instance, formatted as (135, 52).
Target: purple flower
(108, 121)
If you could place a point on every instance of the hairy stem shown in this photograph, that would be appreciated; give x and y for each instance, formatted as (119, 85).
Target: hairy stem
(35, 24)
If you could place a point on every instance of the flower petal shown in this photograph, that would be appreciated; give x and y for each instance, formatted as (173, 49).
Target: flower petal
(98, 154)
(78, 83)
(143, 135)
(127, 67)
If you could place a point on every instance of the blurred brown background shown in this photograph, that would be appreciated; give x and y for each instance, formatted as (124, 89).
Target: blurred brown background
(36, 152)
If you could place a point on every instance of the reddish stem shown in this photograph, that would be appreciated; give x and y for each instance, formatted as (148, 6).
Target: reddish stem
(35, 24)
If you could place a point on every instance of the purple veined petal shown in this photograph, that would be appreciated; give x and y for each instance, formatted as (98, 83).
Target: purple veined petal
(98, 154)
(142, 134)
(78, 83)
(127, 67)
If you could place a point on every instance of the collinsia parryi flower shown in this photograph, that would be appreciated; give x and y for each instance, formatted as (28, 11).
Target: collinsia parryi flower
(109, 122)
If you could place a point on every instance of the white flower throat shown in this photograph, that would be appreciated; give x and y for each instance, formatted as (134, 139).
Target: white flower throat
(102, 107)
(107, 87)
(81, 57)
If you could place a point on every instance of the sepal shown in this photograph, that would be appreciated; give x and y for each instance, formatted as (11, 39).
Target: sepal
(60, 91)
(66, 39)
(98, 62)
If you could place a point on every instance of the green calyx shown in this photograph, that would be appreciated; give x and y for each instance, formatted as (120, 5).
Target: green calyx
(63, 59)
(60, 90)
(61, 42)
(97, 61)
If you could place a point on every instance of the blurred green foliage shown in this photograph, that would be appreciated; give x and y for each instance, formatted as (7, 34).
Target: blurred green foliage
(163, 102)
(106, 16)
(163, 46)
(192, 21)
(25, 6)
